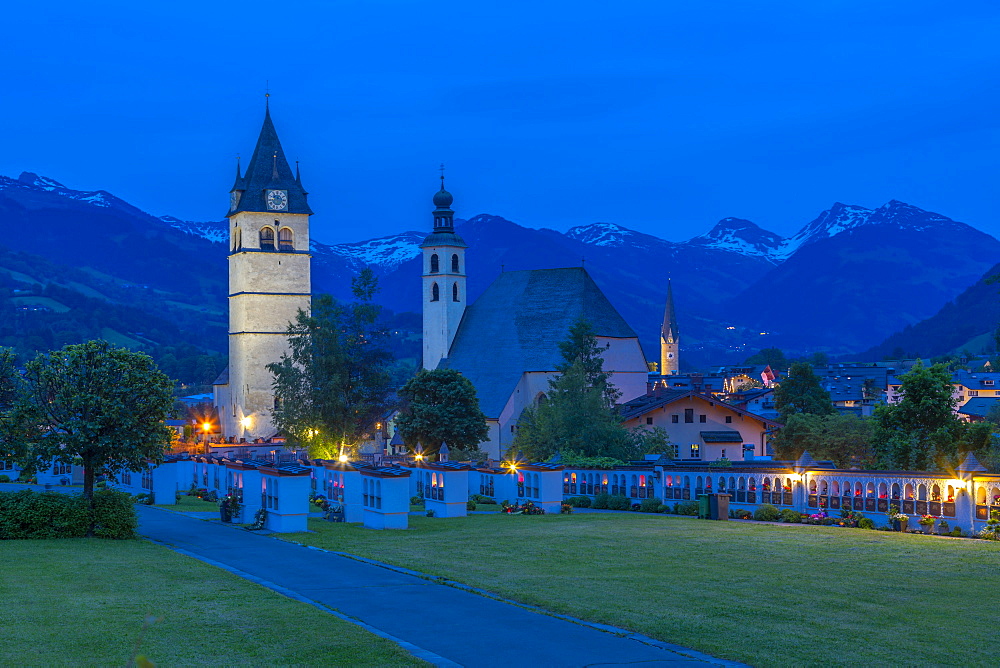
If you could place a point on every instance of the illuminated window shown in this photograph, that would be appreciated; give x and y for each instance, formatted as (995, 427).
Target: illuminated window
(695, 451)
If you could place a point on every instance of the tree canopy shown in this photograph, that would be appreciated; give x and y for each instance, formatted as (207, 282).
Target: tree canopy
(579, 416)
(921, 432)
(441, 407)
(90, 404)
(843, 439)
(334, 382)
(800, 392)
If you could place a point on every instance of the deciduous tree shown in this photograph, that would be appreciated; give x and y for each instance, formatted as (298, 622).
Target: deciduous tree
(334, 382)
(441, 407)
(90, 404)
(800, 392)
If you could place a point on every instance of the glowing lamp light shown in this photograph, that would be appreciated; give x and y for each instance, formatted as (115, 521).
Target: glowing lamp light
(206, 426)
(246, 422)
(419, 456)
(342, 458)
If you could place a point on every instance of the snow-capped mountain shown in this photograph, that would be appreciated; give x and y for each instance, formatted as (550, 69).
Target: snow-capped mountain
(214, 231)
(611, 235)
(386, 253)
(741, 236)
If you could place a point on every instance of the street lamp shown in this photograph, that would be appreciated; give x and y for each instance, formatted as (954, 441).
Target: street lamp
(205, 427)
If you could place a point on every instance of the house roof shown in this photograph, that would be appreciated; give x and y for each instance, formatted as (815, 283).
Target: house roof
(517, 325)
(642, 405)
(978, 406)
(223, 378)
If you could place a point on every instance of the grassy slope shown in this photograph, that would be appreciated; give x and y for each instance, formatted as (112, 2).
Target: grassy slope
(767, 595)
(82, 602)
(189, 504)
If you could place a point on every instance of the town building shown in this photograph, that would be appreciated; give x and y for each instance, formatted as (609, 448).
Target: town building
(700, 426)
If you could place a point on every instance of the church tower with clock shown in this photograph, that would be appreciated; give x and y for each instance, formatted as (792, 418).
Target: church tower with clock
(269, 281)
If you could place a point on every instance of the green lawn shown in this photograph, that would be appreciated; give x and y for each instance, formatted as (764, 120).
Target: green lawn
(83, 601)
(192, 504)
(766, 595)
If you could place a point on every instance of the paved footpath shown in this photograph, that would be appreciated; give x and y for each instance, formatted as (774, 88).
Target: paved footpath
(445, 625)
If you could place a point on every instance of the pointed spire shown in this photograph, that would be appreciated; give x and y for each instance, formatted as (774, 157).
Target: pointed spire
(669, 329)
(261, 176)
(298, 173)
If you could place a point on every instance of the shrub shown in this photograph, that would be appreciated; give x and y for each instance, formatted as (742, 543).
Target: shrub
(687, 508)
(4, 478)
(742, 514)
(650, 506)
(484, 500)
(956, 532)
(766, 513)
(791, 516)
(212, 496)
(662, 509)
(601, 501)
(566, 509)
(430, 513)
(114, 515)
(470, 505)
(579, 501)
(866, 523)
(416, 500)
(618, 502)
(143, 498)
(30, 514)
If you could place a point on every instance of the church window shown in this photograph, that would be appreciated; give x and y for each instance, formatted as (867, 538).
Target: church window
(435, 264)
(454, 263)
(285, 239)
(435, 292)
(266, 238)
(454, 292)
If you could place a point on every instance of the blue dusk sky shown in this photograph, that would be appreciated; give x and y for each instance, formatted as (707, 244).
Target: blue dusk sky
(660, 116)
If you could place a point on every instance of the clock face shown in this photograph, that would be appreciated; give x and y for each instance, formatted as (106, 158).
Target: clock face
(277, 200)
(234, 200)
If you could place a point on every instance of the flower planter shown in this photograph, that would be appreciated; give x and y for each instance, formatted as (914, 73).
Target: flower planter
(224, 513)
(928, 528)
(942, 531)
(900, 525)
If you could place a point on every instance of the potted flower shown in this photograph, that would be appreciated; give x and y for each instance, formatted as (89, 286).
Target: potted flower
(927, 522)
(899, 521)
(229, 507)
(942, 528)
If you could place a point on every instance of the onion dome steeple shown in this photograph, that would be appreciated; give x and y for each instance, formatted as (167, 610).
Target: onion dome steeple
(269, 184)
(444, 220)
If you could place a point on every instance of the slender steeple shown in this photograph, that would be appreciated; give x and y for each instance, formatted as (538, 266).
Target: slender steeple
(269, 174)
(669, 337)
(444, 281)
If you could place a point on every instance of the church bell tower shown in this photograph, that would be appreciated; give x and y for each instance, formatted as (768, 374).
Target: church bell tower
(669, 338)
(444, 293)
(269, 282)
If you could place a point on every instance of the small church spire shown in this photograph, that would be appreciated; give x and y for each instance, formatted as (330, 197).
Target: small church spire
(669, 337)
(444, 217)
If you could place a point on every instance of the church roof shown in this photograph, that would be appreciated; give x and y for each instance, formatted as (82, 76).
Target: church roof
(517, 325)
(269, 170)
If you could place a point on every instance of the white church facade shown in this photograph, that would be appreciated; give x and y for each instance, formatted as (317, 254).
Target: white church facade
(507, 341)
